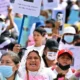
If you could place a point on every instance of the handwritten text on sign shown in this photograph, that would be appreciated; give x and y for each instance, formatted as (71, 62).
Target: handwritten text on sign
(4, 6)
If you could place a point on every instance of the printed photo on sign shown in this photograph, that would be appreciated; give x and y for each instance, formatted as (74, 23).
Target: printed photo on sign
(27, 7)
(12, 1)
(50, 4)
(59, 15)
(50, 0)
(29, 0)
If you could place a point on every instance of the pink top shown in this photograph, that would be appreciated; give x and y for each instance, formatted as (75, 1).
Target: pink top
(39, 77)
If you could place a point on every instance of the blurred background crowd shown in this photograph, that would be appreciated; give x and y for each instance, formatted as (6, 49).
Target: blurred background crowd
(46, 49)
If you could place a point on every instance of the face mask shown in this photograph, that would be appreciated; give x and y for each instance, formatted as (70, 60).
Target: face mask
(50, 16)
(6, 71)
(69, 38)
(42, 18)
(51, 55)
(63, 67)
(48, 30)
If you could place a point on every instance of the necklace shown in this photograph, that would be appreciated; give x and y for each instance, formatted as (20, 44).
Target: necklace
(35, 75)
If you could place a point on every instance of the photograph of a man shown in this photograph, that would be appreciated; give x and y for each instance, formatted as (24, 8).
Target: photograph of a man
(59, 18)
(50, 0)
(29, 0)
(12, 1)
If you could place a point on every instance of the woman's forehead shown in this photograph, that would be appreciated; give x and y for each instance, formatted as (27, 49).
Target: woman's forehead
(32, 54)
(6, 57)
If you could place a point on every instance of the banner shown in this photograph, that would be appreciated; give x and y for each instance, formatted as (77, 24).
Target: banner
(76, 56)
(4, 6)
(27, 7)
(50, 4)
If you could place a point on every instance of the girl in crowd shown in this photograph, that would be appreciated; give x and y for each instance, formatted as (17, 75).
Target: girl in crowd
(38, 36)
(65, 59)
(9, 65)
(33, 68)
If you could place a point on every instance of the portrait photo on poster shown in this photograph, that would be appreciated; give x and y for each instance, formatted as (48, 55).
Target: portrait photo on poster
(12, 1)
(59, 18)
(50, 0)
(29, 0)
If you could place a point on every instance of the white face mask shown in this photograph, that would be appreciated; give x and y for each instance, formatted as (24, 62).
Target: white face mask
(48, 30)
(51, 55)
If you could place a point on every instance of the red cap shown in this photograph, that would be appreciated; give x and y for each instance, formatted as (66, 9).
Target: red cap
(60, 52)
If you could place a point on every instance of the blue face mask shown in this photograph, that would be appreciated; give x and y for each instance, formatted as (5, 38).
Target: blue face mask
(6, 71)
(42, 18)
(69, 38)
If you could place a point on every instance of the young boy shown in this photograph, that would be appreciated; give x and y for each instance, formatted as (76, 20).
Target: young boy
(64, 60)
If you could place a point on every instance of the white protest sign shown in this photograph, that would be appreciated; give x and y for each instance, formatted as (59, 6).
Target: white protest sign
(76, 56)
(50, 4)
(4, 6)
(27, 7)
(59, 15)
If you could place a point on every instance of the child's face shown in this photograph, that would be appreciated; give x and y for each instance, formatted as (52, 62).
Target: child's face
(65, 60)
(38, 38)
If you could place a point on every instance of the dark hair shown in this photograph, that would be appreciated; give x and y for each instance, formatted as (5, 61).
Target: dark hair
(11, 45)
(52, 44)
(58, 13)
(13, 55)
(41, 31)
(60, 75)
(35, 52)
(52, 21)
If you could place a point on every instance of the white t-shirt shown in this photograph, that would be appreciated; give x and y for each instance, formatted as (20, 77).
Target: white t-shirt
(75, 7)
(63, 5)
(64, 46)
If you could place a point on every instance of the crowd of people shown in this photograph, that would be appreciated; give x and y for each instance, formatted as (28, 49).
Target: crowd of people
(48, 54)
